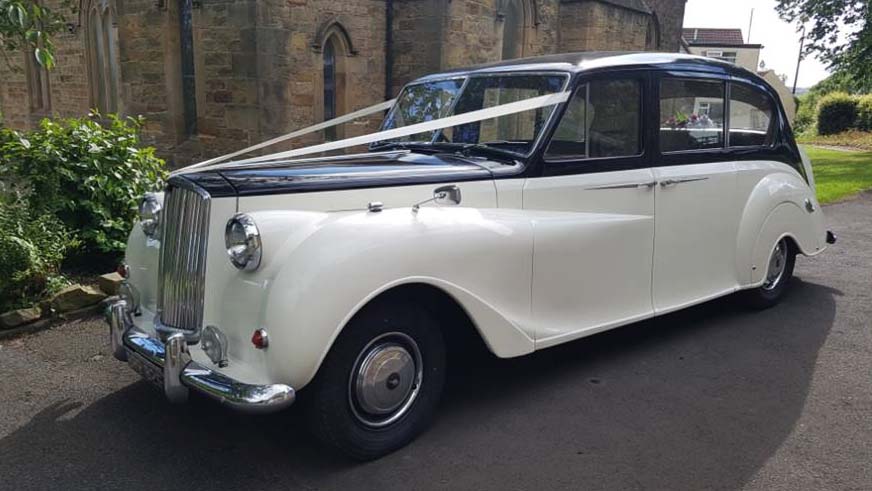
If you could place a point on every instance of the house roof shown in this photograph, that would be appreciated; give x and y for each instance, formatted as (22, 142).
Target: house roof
(699, 36)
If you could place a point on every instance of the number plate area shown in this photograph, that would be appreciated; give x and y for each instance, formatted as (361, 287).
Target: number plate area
(147, 370)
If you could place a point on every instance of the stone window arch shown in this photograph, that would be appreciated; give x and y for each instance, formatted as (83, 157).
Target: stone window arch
(333, 45)
(519, 22)
(101, 35)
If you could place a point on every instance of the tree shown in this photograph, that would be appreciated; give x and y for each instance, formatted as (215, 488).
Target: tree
(27, 24)
(839, 32)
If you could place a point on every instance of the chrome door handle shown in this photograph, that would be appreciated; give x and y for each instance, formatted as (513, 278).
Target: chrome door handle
(671, 182)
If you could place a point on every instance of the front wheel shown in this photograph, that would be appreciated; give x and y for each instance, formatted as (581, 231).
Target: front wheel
(379, 386)
(779, 271)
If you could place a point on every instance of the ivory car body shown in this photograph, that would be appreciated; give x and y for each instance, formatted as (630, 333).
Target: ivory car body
(662, 182)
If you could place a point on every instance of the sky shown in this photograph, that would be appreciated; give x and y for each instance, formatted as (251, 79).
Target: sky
(779, 39)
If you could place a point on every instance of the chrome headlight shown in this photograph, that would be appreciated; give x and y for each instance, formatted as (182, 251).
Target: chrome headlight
(149, 215)
(243, 242)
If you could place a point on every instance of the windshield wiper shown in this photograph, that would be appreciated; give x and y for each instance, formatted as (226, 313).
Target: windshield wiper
(460, 148)
(403, 145)
(485, 148)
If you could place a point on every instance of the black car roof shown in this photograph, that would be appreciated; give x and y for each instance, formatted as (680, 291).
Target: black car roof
(601, 60)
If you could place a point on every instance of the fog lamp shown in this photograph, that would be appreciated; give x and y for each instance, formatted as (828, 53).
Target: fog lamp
(129, 294)
(149, 215)
(214, 343)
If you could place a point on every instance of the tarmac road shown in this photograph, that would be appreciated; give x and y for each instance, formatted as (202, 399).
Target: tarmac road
(715, 397)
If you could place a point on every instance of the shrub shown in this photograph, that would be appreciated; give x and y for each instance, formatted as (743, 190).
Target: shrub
(87, 174)
(806, 113)
(837, 112)
(31, 250)
(864, 113)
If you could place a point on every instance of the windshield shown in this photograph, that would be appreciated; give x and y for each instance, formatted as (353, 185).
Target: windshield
(515, 133)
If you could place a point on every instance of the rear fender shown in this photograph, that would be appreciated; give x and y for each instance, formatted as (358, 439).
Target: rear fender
(777, 208)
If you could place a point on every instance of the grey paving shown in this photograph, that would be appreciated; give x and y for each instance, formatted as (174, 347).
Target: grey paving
(715, 397)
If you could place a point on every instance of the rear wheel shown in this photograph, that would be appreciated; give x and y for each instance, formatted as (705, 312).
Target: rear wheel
(379, 386)
(779, 271)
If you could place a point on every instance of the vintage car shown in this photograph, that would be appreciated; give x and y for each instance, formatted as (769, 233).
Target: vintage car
(659, 182)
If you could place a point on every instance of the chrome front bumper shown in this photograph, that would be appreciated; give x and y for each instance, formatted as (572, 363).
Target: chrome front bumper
(169, 366)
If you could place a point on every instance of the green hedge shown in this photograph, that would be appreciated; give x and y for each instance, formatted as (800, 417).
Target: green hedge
(87, 173)
(837, 112)
(68, 194)
(31, 250)
(864, 113)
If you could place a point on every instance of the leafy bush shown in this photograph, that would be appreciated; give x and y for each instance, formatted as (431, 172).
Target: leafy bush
(31, 250)
(88, 175)
(864, 113)
(837, 112)
(806, 112)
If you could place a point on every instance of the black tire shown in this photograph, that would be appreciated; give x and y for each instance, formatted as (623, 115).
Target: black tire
(771, 292)
(334, 411)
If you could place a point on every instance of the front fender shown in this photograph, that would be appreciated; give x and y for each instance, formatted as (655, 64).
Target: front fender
(329, 265)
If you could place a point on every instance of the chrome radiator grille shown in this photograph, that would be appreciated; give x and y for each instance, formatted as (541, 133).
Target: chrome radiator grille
(182, 276)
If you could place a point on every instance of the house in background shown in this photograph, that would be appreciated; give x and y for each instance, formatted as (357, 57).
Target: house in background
(729, 45)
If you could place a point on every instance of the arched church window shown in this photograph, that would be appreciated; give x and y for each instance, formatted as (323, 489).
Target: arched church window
(330, 85)
(103, 60)
(335, 48)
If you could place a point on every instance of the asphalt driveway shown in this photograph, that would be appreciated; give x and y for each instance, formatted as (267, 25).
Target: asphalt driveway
(715, 397)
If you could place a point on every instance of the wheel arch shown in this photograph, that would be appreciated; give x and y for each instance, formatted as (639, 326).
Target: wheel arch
(473, 318)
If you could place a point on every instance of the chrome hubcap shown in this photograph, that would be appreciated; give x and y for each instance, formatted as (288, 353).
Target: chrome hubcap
(777, 264)
(386, 379)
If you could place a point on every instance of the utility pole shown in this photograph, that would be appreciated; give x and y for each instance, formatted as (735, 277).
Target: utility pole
(750, 23)
(798, 59)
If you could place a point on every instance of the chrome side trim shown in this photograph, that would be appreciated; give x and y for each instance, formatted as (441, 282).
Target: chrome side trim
(180, 374)
(631, 185)
(672, 182)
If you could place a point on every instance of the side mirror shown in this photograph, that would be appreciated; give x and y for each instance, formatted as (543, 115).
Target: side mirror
(447, 195)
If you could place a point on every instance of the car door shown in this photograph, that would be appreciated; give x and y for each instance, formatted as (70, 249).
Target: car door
(697, 220)
(593, 214)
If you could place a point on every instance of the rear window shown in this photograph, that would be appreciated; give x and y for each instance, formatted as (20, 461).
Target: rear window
(751, 122)
(691, 114)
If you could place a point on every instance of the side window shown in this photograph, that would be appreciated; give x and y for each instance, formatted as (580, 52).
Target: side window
(750, 117)
(602, 120)
(691, 114)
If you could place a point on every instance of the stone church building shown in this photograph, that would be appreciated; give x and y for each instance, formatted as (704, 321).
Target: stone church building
(212, 76)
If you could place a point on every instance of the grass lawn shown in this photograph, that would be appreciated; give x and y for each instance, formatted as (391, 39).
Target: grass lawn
(840, 174)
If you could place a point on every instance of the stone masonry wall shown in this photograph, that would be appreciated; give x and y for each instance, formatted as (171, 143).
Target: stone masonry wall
(595, 26)
(258, 63)
(68, 82)
(670, 16)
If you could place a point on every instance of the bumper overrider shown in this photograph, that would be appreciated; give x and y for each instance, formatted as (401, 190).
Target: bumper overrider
(169, 366)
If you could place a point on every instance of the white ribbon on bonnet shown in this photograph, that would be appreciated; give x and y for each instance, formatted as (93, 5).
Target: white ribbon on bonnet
(425, 127)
